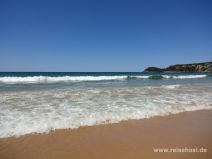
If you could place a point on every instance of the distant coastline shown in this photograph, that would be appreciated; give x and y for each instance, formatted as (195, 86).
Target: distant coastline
(193, 67)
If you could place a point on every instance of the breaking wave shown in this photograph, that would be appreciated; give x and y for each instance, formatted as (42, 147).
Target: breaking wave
(49, 79)
(41, 111)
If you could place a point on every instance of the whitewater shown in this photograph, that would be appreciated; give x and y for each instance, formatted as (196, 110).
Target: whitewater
(39, 103)
(49, 79)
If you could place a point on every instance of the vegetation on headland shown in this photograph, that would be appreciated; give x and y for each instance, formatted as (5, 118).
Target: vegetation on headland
(194, 67)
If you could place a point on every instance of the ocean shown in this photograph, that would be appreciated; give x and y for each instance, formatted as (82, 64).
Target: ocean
(38, 102)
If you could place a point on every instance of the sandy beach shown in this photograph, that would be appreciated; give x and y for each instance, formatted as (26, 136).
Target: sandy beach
(126, 140)
(106, 79)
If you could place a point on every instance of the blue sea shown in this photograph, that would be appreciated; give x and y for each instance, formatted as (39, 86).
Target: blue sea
(38, 102)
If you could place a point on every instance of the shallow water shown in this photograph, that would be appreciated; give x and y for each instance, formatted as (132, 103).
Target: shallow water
(40, 102)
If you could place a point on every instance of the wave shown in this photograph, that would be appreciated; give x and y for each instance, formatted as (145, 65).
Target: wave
(189, 76)
(41, 111)
(49, 79)
(176, 77)
(171, 86)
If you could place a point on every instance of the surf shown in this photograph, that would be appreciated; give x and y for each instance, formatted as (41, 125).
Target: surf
(50, 79)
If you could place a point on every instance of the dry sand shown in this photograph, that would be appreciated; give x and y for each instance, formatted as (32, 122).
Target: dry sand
(126, 140)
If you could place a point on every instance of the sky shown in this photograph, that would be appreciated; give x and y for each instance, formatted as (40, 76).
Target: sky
(103, 35)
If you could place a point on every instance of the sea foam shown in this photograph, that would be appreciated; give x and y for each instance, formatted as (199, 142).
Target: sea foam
(49, 79)
(39, 111)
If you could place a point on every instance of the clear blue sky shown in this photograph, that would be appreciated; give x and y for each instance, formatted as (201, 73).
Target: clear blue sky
(110, 35)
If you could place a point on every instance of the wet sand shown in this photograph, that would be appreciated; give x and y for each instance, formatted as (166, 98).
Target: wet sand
(126, 140)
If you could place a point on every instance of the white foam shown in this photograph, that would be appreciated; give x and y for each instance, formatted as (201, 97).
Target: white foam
(48, 79)
(39, 111)
(184, 76)
(167, 76)
(171, 86)
(190, 76)
(140, 77)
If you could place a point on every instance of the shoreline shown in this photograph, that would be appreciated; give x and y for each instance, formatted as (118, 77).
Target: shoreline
(127, 139)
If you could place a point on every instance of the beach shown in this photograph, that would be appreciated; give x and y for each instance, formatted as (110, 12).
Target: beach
(105, 115)
(128, 139)
(106, 79)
